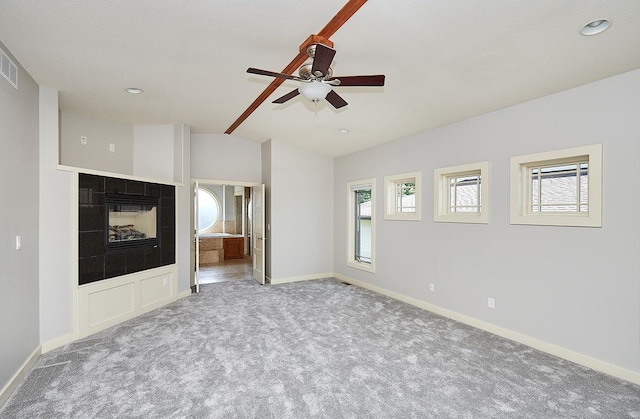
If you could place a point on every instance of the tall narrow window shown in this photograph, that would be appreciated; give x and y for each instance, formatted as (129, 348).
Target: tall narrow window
(362, 251)
(361, 229)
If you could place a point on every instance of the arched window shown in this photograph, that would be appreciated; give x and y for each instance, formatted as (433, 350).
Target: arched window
(208, 210)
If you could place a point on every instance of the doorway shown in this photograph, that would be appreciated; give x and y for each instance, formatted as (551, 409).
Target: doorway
(224, 232)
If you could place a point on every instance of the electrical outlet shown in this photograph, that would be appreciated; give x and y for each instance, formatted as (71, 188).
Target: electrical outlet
(164, 282)
(83, 140)
(491, 303)
(112, 148)
(432, 287)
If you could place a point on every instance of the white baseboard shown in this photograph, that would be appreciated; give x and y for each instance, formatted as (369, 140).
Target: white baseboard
(17, 378)
(57, 342)
(301, 278)
(183, 294)
(543, 346)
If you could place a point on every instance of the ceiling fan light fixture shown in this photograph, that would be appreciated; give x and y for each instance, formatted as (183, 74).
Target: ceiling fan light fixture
(595, 27)
(314, 91)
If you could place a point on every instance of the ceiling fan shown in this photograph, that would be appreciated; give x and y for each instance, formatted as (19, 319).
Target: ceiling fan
(317, 78)
(344, 14)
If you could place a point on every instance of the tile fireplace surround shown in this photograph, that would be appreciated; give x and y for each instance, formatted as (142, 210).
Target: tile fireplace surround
(95, 263)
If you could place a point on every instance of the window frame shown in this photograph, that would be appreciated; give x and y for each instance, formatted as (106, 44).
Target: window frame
(216, 200)
(351, 213)
(390, 207)
(520, 203)
(441, 190)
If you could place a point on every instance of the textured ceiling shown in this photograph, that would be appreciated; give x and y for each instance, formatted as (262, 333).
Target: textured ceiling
(444, 61)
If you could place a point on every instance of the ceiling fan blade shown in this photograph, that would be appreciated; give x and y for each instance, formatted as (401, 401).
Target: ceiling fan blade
(271, 74)
(286, 97)
(336, 100)
(322, 59)
(343, 15)
(374, 80)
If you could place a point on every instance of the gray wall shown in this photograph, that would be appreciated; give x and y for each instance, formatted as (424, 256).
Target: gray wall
(100, 133)
(576, 288)
(18, 216)
(266, 179)
(224, 157)
(301, 212)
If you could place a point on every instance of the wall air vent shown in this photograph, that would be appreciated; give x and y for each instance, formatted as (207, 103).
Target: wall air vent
(8, 69)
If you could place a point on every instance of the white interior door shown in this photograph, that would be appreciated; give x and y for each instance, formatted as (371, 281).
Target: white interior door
(259, 237)
(196, 238)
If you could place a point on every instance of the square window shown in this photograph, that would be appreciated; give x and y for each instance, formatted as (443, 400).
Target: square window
(462, 193)
(562, 187)
(402, 197)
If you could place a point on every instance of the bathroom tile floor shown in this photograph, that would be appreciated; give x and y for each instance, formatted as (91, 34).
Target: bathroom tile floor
(228, 270)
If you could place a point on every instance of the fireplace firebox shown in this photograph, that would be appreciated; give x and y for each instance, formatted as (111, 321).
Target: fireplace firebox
(132, 222)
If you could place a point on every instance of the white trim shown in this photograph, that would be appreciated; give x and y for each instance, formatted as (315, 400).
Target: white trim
(390, 209)
(291, 279)
(225, 182)
(543, 346)
(518, 187)
(115, 175)
(58, 342)
(441, 194)
(351, 262)
(17, 378)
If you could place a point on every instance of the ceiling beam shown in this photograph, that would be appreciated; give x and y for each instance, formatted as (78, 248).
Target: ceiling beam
(322, 37)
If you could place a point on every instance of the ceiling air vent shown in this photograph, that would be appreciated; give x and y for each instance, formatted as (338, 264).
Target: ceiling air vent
(8, 69)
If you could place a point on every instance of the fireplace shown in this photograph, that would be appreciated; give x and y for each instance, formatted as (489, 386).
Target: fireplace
(124, 226)
(132, 222)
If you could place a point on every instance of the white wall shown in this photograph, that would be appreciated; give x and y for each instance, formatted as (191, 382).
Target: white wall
(182, 167)
(96, 154)
(575, 288)
(58, 230)
(224, 157)
(19, 312)
(301, 213)
(153, 152)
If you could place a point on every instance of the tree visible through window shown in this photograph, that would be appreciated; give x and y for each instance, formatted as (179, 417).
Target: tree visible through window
(362, 251)
(360, 225)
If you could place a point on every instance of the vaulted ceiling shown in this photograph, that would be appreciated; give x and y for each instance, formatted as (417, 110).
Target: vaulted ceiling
(444, 61)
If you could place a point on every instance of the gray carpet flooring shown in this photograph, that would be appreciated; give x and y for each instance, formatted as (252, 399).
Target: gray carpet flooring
(312, 349)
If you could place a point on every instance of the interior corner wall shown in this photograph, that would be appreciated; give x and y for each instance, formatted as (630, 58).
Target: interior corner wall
(153, 152)
(182, 169)
(19, 311)
(572, 287)
(301, 208)
(57, 224)
(225, 157)
(100, 134)
(266, 180)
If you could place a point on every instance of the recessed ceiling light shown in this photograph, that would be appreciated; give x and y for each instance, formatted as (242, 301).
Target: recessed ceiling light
(343, 131)
(133, 90)
(595, 27)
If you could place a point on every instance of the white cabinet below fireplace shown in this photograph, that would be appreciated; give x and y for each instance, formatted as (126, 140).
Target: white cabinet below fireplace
(106, 303)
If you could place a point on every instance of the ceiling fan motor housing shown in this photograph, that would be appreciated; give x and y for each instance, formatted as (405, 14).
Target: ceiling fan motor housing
(305, 72)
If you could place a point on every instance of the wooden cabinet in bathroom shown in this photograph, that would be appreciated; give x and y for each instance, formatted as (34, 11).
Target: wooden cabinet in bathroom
(233, 247)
